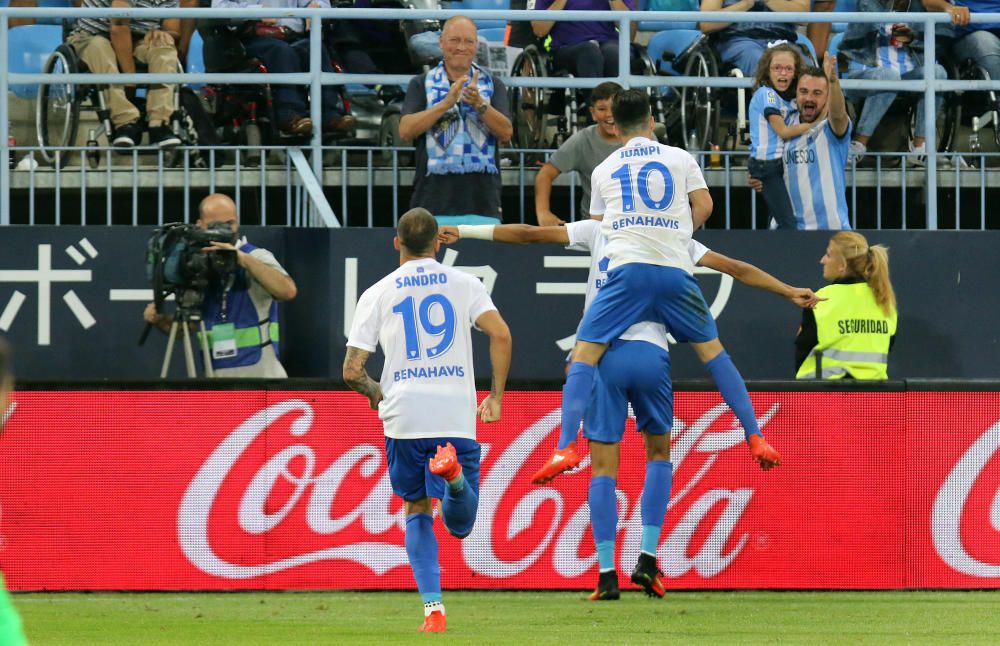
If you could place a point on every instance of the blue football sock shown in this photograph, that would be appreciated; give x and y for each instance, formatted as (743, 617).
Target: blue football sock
(458, 509)
(604, 519)
(734, 391)
(576, 394)
(655, 497)
(422, 548)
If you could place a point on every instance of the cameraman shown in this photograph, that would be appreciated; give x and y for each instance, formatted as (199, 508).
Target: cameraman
(250, 304)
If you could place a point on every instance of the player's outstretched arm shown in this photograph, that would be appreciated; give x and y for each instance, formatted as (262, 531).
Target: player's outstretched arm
(500, 350)
(357, 377)
(510, 233)
(756, 277)
(701, 206)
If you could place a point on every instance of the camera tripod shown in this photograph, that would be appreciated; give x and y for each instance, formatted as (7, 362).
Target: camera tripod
(188, 312)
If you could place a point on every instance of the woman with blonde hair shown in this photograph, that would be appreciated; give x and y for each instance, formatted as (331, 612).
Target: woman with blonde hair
(849, 334)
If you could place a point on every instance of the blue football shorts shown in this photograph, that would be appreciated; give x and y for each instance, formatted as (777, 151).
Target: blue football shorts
(630, 371)
(639, 292)
(410, 475)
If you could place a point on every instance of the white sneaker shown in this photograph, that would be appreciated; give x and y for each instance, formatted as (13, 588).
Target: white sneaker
(856, 152)
(918, 156)
(954, 161)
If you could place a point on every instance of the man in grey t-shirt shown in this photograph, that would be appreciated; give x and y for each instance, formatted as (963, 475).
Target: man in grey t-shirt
(581, 153)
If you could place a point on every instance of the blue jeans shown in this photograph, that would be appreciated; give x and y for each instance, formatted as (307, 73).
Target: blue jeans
(280, 56)
(877, 102)
(983, 47)
(742, 52)
(771, 173)
(426, 46)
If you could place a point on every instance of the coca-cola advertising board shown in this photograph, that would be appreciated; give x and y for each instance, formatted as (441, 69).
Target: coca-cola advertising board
(169, 490)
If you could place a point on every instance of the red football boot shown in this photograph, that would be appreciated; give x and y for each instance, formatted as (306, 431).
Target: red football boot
(763, 453)
(445, 463)
(561, 460)
(434, 623)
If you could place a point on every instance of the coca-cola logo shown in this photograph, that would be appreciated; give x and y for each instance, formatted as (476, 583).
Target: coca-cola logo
(560, 540)
(950, 506)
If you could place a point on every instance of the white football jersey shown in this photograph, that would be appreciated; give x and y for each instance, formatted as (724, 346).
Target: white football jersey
(422, 315)
(587, 235)
(642, 191)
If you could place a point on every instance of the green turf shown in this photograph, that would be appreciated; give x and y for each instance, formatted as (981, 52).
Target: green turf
(519, 618)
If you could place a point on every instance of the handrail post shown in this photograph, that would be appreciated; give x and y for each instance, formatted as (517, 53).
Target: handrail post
(316, 98)
(930, 121)
(624, 50)
(4, 122)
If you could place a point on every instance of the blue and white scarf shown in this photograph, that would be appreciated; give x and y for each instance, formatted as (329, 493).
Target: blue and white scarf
(459, 142)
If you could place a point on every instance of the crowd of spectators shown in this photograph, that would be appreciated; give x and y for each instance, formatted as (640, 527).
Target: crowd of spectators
(458, 114)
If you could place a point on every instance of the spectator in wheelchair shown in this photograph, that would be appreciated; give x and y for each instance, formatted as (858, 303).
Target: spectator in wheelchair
(886, 52)
(457, 115)
(282, 44)
(979, 41)
(582, 152)
(741, 44)
(814, 161)
(771, 109)
(112, 46)
(585, 49)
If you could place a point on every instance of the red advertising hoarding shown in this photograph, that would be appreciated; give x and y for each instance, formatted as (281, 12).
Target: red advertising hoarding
(272, 490)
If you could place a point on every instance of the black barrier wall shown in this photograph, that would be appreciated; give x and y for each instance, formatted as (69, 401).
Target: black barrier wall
(71, 300)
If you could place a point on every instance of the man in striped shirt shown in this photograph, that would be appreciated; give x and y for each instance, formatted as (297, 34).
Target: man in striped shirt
(814, 162)
(113, 45)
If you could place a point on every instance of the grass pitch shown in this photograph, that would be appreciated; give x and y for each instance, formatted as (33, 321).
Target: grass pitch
(520, 618)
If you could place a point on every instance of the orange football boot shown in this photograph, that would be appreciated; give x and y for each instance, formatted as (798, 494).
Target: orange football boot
(445, 463)
(434, 623)
(561, 460)
(763, 453)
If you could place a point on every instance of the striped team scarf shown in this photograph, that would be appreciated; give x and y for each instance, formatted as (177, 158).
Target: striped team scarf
(459, 142)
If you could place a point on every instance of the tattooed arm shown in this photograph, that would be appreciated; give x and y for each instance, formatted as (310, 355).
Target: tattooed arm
(357, 378)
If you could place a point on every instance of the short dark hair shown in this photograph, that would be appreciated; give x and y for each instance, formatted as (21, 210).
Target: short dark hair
(812, 70)
(604, 91)
(417, 231)
(631, 110)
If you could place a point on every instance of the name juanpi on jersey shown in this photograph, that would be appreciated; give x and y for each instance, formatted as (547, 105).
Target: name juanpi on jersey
(638, 151)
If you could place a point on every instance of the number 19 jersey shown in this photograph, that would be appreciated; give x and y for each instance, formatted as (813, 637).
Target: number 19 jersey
(422, 315)
(642, 191)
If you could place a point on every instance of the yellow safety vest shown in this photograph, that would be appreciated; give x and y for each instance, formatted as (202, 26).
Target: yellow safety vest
(853, 334)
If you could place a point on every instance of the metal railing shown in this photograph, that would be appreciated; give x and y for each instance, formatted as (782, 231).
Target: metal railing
(315, 78)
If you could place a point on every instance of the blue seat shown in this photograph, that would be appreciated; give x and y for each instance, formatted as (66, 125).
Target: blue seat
(28, 47)
(667, 5)
(62, 4)
(802, 41)
(843, 6)
(196, 58)
(674, 41)
(834, 45)
(492, 30)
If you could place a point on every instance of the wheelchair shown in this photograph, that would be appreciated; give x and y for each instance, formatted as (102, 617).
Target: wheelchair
(977, 108)
(547, 117)
(243, 114)
(691, 114)
(59, 107)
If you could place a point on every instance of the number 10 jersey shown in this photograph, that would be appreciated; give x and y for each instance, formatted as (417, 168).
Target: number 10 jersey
(422, 315)
(642, 191)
